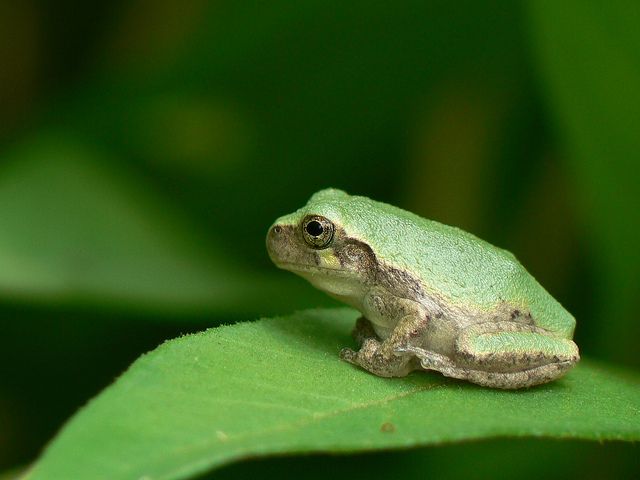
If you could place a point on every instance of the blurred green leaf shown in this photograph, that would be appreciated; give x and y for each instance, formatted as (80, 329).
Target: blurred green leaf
(278, 386)
(256, 106)
(76, 229)
(589, 58)
(12, 474)
(496, 459)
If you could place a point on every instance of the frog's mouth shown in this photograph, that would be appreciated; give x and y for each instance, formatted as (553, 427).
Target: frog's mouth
(302, 268)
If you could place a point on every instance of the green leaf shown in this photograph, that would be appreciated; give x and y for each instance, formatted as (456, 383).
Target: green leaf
(278, 386)
(590, 62)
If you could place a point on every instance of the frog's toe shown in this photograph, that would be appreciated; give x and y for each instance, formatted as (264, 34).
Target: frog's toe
(409, 349)
(349, 355)
(428, 360)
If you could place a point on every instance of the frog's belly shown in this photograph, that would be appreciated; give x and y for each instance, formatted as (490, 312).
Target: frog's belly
(382, 331)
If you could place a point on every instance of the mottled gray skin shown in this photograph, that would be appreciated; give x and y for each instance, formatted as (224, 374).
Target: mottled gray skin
(432, 297)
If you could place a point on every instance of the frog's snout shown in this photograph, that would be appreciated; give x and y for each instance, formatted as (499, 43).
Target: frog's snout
(278, 242)
(272, 238)
(288, 250)
(274, 235)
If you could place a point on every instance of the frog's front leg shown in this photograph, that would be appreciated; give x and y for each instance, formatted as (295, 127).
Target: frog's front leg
(504, 355)
(383, 357)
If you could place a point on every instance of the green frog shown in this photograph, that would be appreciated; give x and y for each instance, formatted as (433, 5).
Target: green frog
(432, 296)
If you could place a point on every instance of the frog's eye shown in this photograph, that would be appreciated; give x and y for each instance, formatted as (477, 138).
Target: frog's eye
(317, 231)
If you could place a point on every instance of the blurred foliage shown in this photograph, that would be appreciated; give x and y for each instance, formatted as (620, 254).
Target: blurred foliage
(499, 459)
(145, 147)
(77, 230)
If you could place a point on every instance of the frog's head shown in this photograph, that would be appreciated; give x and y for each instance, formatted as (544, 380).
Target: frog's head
(317, 243)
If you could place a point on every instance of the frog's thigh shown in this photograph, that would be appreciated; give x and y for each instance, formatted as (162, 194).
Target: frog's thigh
(512, 355)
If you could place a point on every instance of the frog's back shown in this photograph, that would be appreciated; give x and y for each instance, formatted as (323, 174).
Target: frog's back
(453, 264)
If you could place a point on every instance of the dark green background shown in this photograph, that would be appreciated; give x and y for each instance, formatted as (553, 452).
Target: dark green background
(145, 147)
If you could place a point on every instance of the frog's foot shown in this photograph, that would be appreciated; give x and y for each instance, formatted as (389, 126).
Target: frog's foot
(429, 360)
(362, 331)
(374, 358)
(443, 364)
(439, 363)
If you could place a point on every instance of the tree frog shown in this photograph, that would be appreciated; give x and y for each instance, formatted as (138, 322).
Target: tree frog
(431, 296)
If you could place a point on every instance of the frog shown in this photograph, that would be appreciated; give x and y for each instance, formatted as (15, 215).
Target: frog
(431, 296)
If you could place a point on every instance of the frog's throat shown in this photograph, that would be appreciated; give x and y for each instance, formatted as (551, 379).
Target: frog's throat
(343, 285)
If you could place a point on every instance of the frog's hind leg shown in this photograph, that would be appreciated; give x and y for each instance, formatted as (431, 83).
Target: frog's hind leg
(505, 355)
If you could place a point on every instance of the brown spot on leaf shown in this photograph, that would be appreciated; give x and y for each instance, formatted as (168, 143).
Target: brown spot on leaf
(387, 427)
